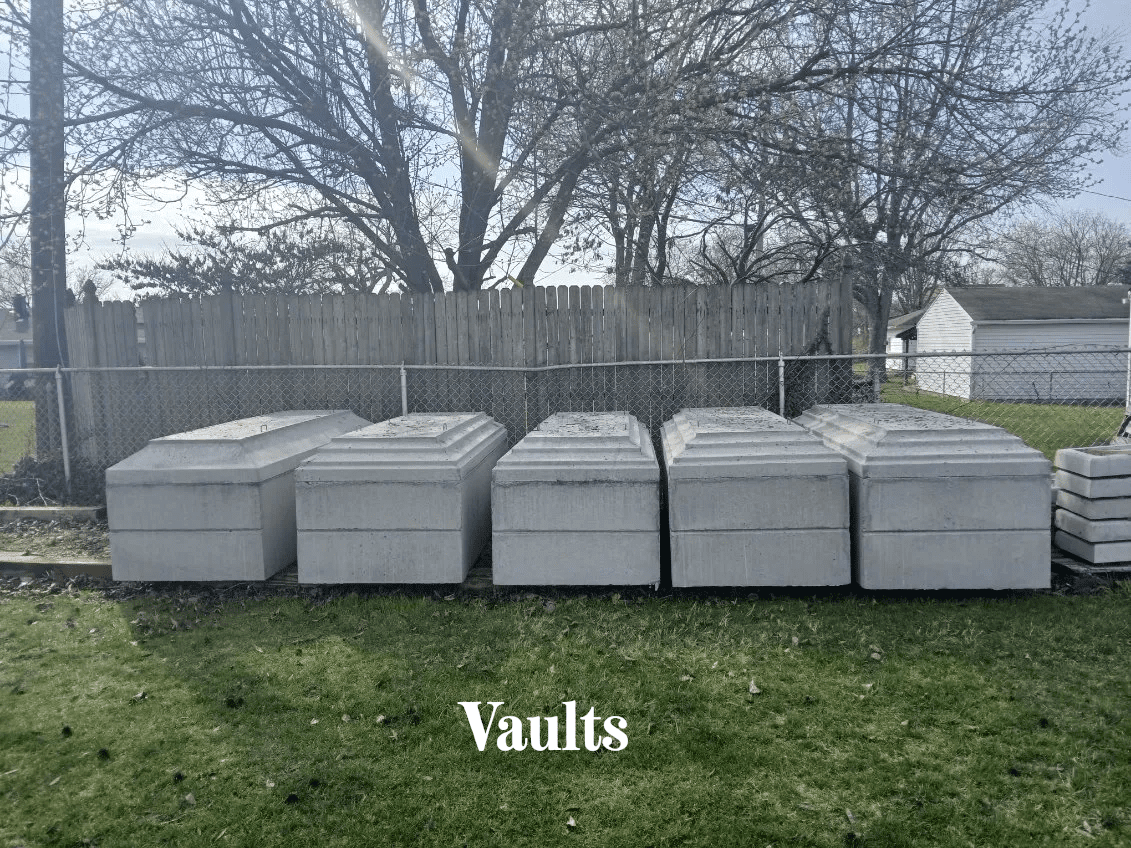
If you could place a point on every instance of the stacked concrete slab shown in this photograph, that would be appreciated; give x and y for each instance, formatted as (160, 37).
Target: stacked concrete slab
(754, 500)
(407, 500)
(939, 502)
(1093, 500)
(577, 502)
(216, 503)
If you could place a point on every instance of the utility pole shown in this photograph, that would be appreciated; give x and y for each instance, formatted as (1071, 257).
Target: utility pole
(47, 227)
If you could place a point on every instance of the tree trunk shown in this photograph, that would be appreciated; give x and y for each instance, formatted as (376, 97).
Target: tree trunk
(879, 333)
(416, 262)
(47, 229)
(552, 229)
(640, 253)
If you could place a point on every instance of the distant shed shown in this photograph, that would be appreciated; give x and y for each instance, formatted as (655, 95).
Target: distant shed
(1022, 321)
(15, 341)
(902, 340)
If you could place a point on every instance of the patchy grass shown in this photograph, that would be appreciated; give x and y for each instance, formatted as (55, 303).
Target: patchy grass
(17, 439)
(186, 720)
(1044, 426)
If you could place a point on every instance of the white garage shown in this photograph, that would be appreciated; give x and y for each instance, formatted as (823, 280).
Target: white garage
(1014, 324)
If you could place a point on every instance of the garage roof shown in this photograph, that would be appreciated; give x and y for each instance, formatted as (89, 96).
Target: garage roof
(1030, 303)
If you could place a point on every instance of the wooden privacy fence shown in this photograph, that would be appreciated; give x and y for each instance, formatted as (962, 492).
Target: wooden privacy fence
(528, 327)
(221, 343)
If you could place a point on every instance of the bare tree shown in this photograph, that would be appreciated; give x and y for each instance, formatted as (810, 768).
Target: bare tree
(15, 278)
(452, 136)
(987, 108)
(753, 237)
(1069, 248)
(301, 258)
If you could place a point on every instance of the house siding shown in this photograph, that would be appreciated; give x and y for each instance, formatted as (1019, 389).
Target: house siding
(897, 347)
(945, 326)
(15, 353)
(1037, 378)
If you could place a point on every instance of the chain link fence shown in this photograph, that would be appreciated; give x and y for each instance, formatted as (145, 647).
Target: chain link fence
(1051, 399)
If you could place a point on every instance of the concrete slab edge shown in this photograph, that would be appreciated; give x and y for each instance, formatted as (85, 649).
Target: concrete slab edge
(53, 513)
(1068, 563)
(40, 567)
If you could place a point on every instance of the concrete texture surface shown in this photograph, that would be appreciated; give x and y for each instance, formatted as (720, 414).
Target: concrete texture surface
(407, 500)
(1093, 501)
(1094, 508)
(939, 502)
(1093, 552)
(1101, 461)
(976, 559)
(1092, 487)
(754, 500)
(216, 503)
(577, 502)
(1090, 530)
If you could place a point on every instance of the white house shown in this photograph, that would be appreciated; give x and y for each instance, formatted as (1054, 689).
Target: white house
(15, 340)
(902, 340)
(1012, 321)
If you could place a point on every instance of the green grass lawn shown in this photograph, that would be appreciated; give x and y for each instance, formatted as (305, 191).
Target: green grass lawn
(1044, 426)
(186, 721)
(17, 440)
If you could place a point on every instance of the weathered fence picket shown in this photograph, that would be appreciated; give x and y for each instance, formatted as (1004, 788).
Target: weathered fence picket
(518, 328)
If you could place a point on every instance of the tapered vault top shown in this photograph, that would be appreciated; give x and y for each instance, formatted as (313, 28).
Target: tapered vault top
(420, 447)
(582, 447)
(249, 450)
(743, 441)
(891, 440)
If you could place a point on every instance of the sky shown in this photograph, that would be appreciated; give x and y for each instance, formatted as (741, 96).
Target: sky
(1111, 195)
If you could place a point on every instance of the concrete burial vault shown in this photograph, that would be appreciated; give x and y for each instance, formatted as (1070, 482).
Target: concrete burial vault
(1093, 501)
(404, 501)
(577, 502)
(216, 503)
(939, 502)
(754, 500)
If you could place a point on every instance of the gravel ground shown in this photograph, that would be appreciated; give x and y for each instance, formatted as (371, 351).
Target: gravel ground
(60, 538)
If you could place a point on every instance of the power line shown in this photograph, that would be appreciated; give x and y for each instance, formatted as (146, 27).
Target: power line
(1101, 194)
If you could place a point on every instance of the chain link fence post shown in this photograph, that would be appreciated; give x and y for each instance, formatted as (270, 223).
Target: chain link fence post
(63, 441)
(781, 385)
